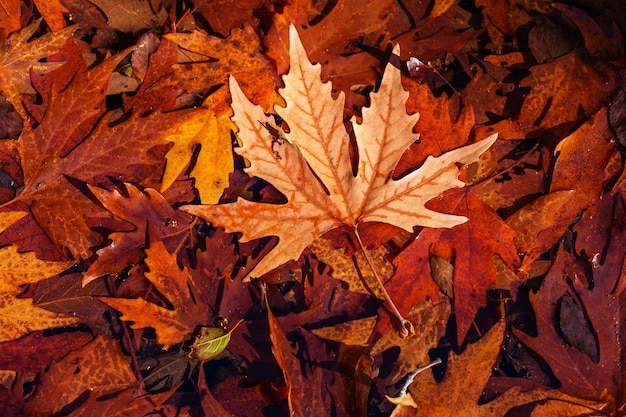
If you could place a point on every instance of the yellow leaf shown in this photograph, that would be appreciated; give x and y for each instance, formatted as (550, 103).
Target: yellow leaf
(215, 161)
(313, 170)
(19, 316)
(405, 400)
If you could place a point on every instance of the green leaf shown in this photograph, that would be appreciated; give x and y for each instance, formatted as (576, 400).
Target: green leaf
(210, 342)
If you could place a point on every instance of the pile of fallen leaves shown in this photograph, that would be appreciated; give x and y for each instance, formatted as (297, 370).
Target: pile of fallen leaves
(311, 208)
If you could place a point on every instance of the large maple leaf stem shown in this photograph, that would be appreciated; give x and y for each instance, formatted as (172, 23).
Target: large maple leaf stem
(406, 327)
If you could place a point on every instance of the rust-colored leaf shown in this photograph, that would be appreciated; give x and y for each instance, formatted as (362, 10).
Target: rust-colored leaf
(567, 75)
(585, 152)
(134, 15)
(438, 130)
(308, 388)
(52, 12)
(207, 61)
(57, 159)
(578, 308)
(99, 364)
(145, 210)
(458, 394)
(172, 326)
(18, 57)
(472, 246)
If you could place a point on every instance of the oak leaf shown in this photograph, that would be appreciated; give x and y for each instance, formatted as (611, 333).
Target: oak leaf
(459, 391)
(98, 366)
(311, 166)
(145, 210)
(74, 144)
(18, 57)
(172, 326)
(578, 308)
(20, 316)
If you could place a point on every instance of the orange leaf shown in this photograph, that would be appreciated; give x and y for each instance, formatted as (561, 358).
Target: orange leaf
(207, 61)
(172, 326)
(554, 97)
(18, 57)
(438, 131)
(9, 18)
(337, 29)
(19, 316)
(52, 12)
(459, 391)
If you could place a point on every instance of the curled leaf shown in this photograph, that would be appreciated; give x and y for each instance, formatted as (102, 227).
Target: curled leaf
(210, 342)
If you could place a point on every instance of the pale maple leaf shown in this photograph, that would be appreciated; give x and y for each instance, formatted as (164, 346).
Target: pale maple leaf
(311, 164)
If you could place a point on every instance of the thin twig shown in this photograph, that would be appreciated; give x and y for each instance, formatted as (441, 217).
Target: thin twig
(133, 356)
(411, 376)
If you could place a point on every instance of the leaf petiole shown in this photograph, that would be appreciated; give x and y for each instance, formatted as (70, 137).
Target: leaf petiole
(406, 328)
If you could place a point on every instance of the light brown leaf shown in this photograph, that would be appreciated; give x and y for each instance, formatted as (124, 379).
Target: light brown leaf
(132, 16)
(312, 167)
(429, 316)
(353, 269)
